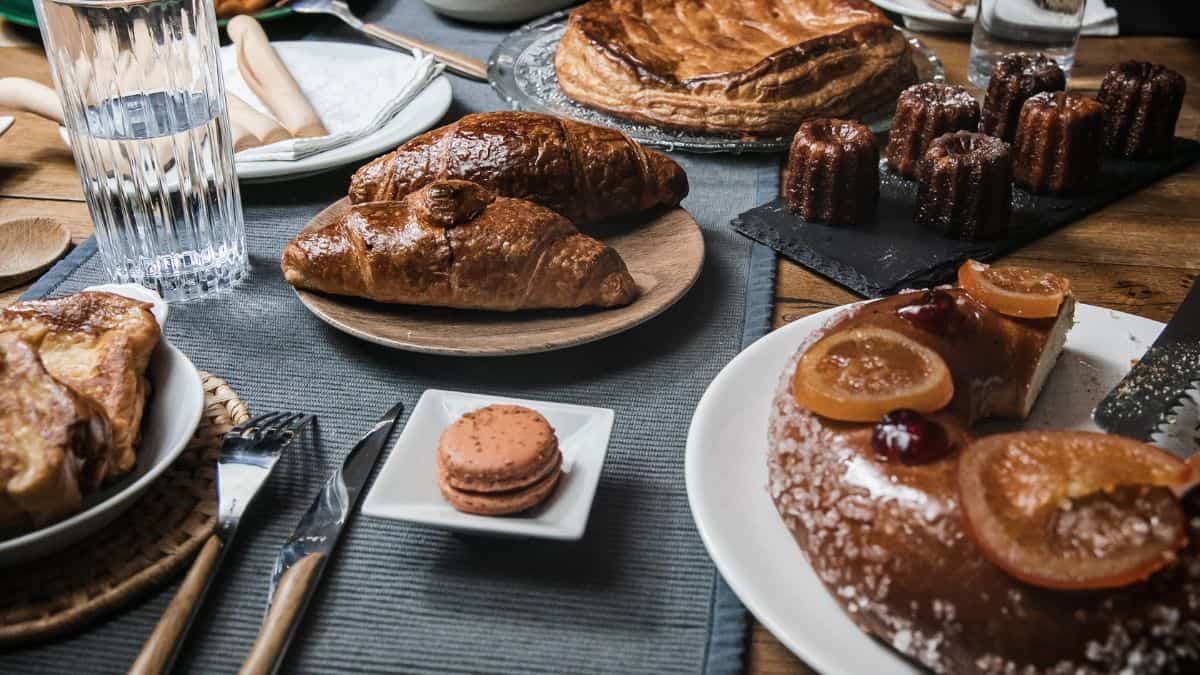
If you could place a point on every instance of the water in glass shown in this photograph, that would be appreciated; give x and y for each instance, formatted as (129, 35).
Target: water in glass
(1004, 26)
(144, 106)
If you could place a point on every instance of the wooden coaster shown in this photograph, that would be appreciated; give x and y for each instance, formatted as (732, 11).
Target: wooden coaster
(28, 246)
(138, 552)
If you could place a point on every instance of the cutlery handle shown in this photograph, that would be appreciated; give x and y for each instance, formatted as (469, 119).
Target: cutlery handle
(30, 96)
(291, 596)
(163, 645)
(455, 62)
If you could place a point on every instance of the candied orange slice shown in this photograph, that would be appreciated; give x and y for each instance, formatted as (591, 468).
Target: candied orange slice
(1014, 291)
(859, 375)
(1072, 509)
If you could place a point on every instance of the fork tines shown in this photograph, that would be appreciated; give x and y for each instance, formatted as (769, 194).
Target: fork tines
(273, 423)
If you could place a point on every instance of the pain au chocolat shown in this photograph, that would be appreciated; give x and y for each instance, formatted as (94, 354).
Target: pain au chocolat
(887, 508)
(755, 67)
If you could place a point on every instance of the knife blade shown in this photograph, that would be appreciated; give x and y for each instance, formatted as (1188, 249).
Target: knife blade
(1148, 403)
(302, 559)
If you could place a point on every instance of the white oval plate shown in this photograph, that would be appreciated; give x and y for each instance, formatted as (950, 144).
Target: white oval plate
(496, 11)
(922, 10)
(420, 115)
(725, 468)
(172, 415)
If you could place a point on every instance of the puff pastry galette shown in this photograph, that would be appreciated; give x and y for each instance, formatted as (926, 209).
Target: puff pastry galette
(755, 67)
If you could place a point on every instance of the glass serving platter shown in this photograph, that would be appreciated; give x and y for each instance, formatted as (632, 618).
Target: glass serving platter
(521, 70)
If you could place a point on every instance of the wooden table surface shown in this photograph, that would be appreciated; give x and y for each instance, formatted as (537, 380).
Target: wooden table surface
(1139, 255)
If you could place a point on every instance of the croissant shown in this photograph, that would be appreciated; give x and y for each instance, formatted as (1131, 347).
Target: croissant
(584, 172)
(458, 244)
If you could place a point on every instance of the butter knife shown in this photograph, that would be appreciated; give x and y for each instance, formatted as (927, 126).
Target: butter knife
(302, 559)
(1157, 401)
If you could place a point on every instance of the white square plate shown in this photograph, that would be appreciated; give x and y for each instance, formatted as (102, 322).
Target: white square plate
(407, 489)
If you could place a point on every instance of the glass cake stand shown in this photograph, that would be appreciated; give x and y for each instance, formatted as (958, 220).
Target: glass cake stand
(521, 70)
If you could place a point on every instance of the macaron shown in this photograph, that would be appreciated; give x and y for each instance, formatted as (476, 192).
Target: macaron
(498, 460)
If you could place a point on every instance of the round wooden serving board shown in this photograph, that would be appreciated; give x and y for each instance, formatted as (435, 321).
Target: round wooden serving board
(664, 254)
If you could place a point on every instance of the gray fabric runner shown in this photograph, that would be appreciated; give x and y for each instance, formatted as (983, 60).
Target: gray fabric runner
(637, 594)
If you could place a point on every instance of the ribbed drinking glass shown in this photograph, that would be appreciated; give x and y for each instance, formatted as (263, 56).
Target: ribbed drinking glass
(144, 105)
(1003, 26)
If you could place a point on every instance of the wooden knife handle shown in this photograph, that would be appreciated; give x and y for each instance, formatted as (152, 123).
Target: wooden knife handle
(455, 62)
(291, 595)
(159, 651)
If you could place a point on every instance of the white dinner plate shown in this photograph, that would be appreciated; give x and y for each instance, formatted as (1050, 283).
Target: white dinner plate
(726, 473)
(169, 422)
(407, 487)
(923, 11)
(418, 116)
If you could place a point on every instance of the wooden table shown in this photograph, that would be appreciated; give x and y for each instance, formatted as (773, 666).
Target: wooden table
(1139, 255)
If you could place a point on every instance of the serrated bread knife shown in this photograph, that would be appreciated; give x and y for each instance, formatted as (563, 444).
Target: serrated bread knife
(300, 562)
(1159, 400)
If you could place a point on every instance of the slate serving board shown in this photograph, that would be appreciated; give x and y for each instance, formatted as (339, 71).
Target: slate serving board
(894, 253)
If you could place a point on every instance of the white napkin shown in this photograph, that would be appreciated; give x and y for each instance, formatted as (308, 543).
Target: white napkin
(1098, 20)
(354, 97)
(5, 123)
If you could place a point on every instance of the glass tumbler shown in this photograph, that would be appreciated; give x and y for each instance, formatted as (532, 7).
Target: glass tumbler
(144, 105)
(1004, 26)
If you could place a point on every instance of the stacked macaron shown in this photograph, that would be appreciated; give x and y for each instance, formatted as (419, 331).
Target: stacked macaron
(498, 460)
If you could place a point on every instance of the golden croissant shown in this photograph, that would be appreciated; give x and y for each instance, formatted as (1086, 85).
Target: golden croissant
(458, 244)
(584, 172)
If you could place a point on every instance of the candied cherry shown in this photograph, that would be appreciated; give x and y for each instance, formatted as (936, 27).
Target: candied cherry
(1022, 292)
(935, 311)
(860, 374)
(909, 437)
(1072, 509)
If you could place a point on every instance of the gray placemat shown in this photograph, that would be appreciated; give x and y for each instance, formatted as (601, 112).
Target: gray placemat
(638, 594)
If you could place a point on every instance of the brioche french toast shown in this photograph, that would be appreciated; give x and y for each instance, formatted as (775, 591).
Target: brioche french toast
(99, 345)
(52, 440)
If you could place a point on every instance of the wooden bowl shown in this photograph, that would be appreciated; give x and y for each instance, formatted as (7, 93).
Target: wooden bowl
(664, 254)
(28, 246)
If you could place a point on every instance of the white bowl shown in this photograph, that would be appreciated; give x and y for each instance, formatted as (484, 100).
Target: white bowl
(172, 415)
(407, 487)
(496, 11)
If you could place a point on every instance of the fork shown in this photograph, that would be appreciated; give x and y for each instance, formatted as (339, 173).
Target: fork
(248, 454)
(455, 62)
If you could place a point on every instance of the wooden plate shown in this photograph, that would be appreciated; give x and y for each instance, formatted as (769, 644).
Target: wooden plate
(664, 254)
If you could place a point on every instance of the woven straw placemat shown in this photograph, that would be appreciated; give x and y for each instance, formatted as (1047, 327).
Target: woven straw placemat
(137, 552)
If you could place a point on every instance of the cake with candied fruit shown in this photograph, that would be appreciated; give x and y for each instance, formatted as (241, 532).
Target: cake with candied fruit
(1059, 144)
(1141, 106)
(832, 172)
(924, 112)
(964, 187)
(1032, 552)
(1015, 78)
